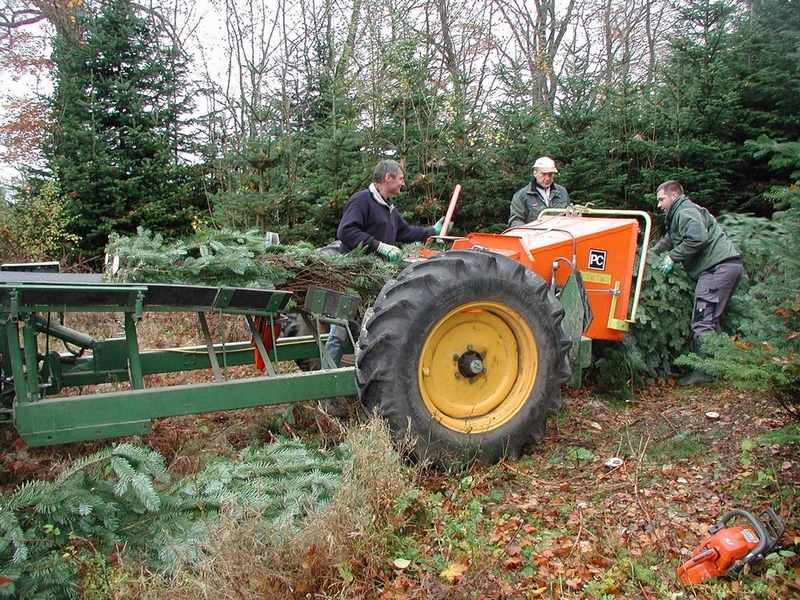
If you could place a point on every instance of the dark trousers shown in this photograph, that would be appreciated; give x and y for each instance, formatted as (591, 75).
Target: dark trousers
(712, 294)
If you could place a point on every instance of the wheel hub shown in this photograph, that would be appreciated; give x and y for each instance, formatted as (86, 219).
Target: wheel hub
(470, 363)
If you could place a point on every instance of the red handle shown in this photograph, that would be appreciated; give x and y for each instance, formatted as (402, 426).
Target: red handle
(450, 209)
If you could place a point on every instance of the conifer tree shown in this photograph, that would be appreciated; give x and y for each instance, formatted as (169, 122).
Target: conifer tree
(768, 65)
(119, 105)
(700, 113)
(732, 76)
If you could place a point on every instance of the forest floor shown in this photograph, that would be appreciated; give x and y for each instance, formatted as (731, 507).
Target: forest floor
(559, 522)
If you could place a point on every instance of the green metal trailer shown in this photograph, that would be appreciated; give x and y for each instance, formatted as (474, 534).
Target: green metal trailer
(34, 375)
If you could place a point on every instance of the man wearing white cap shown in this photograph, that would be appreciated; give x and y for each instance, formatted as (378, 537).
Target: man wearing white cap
(539, 194)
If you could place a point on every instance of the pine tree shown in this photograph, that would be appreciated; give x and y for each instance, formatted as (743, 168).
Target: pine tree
(700, 114)
(768, 65)
(770, 355)
(116, 143)
(732, 76)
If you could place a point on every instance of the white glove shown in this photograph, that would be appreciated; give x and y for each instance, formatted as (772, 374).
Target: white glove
(667, 265)
(389, 251)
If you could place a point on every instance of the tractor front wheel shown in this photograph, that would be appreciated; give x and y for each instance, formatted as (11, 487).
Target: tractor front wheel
(465, 355)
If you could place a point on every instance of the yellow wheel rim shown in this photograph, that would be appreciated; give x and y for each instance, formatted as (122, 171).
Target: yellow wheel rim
(477, 367)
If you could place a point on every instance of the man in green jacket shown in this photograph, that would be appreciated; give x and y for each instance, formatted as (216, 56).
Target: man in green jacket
(695, 239)
(542, 192)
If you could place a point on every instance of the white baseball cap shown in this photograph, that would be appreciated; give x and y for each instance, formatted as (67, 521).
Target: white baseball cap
(545, 164)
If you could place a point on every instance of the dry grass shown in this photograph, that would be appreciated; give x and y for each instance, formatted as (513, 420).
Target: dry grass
(342, 543)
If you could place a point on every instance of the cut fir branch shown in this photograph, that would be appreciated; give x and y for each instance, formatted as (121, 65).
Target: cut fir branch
(244, 259)
(120, 497)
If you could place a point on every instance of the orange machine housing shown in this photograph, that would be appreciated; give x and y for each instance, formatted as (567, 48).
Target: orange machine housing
(602, 249)
(718, 554)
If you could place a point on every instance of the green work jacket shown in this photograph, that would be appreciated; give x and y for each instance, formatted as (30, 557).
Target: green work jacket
(694, 238)
(527, 203)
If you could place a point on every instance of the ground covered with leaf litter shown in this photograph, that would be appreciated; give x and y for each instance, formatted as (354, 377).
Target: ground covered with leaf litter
(558, 523)
(561, 523)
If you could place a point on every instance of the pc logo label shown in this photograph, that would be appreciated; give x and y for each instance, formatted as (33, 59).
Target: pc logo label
(597, 260)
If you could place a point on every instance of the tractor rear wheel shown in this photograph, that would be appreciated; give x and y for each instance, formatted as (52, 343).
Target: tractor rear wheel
(465, 355)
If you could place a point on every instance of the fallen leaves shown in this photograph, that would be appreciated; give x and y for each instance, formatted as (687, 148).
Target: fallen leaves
(560, 524)
(454, 571)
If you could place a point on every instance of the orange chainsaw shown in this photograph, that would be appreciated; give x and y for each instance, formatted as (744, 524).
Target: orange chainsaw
(728, 549)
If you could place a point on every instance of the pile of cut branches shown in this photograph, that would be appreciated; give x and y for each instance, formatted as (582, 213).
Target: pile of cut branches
(244, 259)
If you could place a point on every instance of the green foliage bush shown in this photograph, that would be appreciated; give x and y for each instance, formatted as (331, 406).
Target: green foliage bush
(661, 338)
(661, 334)
(58, 537)
(35, 226)
(766, 353)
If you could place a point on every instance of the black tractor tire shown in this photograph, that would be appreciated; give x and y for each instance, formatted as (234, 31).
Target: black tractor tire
(464, 355)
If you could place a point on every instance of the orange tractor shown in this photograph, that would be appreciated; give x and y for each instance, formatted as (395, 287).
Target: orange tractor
(467, 350)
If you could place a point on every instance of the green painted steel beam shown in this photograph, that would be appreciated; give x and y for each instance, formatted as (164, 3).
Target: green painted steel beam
(87, 370)
(102, 415)
(42, 296)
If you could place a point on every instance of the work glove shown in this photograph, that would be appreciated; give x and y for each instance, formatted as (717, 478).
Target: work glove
(667, 265)
(389, 251)
(437, 229)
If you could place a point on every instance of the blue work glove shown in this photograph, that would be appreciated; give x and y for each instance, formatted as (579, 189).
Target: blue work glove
(437, 229)
(667, 265)
(389, 251)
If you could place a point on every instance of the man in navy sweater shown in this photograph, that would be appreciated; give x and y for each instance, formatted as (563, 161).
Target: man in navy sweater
(371, 220)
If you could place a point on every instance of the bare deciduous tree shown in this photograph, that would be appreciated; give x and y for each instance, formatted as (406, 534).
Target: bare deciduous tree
(538, 29)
